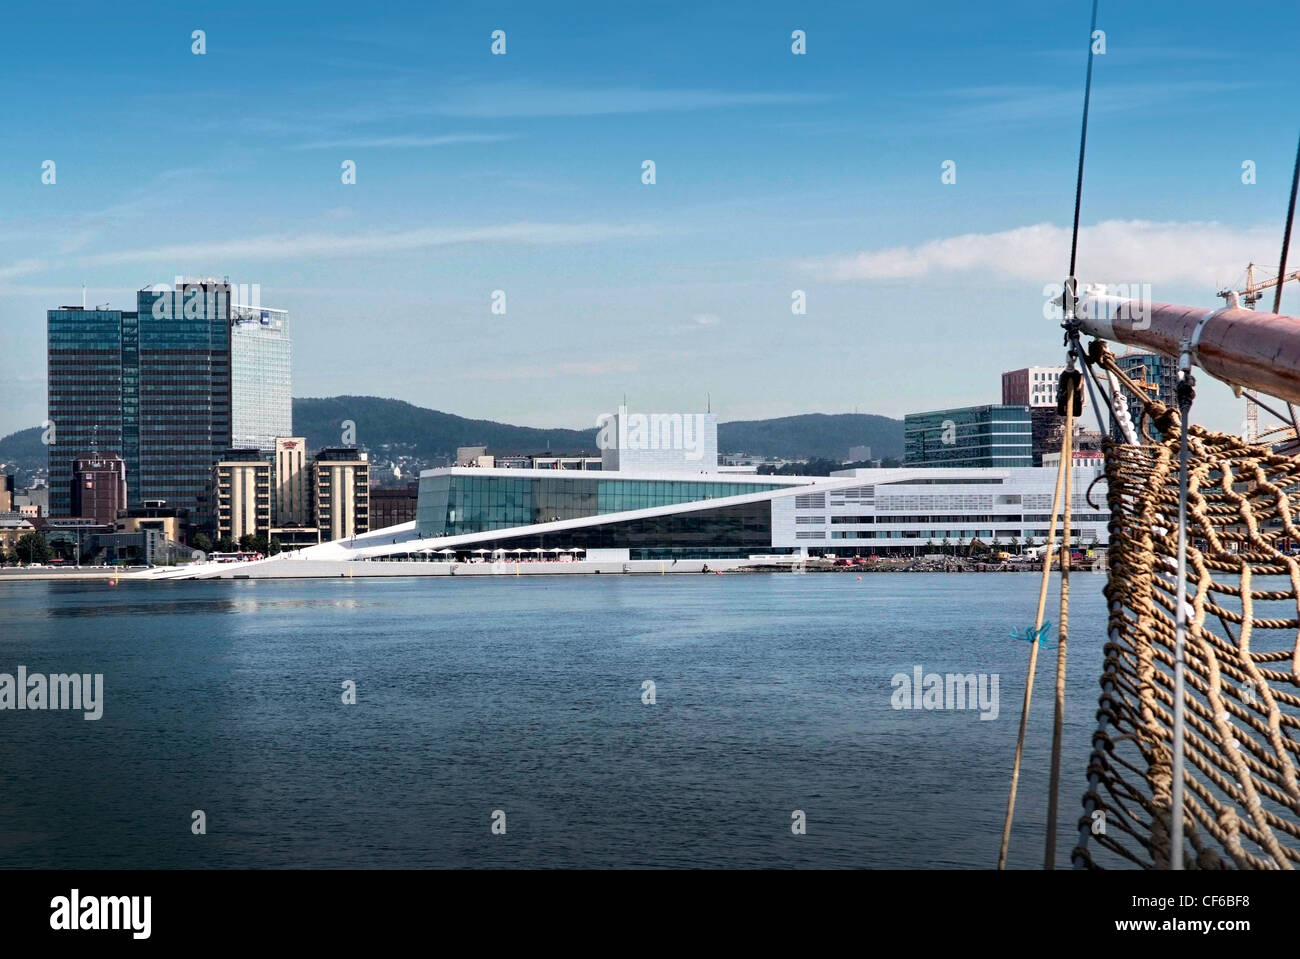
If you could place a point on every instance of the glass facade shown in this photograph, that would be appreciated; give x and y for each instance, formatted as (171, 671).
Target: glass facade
(725, 532)
(261, 401)
(974, 436)
(455, 504)
(152, 386)
(85, 381)
(183, 395)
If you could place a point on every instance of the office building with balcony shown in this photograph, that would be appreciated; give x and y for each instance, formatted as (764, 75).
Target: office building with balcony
(242, 495)
(340, 482)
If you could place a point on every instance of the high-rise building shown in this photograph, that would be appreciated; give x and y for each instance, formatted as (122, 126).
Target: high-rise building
(99, 489)
(969, 437)
(242, 494)
(6, 493)
(260, 382)
(154, 386)
(341, 492)
(291, 502)
(84, 373)
(176, 420)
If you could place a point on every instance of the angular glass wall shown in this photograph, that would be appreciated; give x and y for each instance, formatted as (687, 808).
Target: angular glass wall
(452, 505)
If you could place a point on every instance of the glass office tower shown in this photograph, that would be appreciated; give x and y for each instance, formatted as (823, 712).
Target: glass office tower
(84, 375)
(261, 398)
(177, 418)
(152, 386)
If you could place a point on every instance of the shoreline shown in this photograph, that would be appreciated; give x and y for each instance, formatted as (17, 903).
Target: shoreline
(352, 569)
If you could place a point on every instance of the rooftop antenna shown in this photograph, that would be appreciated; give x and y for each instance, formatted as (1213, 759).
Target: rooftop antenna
(710, 402)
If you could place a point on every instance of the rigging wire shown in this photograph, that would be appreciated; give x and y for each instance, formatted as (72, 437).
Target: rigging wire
(1083, 144)
(1281, 268)
(1069, 385)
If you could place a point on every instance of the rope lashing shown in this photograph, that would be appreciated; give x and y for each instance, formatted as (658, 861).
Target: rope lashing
(1241, 654)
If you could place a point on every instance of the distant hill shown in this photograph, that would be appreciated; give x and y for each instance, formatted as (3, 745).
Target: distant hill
(23, 449)
(431, 433)
(813, 435)
(423, 432)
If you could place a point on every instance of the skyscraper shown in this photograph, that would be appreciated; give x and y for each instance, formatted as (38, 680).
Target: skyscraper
(169, 387)
(151, 385)
(84, 376)
(176, 396)
(261, 403)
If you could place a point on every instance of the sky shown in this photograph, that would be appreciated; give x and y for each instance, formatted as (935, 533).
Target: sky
(522, 172)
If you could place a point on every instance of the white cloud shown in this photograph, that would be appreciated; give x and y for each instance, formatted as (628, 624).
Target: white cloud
(1114, 251)
(290, 246)
(706, 319)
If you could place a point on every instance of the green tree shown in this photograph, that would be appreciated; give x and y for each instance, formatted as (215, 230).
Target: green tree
(225, 545)
(202, 542)
(947, 545)
(276, 546)
(248, 542)
(32, 548)
(1015, 544)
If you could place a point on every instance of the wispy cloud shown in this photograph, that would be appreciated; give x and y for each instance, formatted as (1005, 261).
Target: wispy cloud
(21, 268)
(290, 246)
(1113, 251)
(398, 142)
(506, 100)
(1011, 104)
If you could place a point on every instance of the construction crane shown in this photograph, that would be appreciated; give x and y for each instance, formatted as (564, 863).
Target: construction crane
(1248, 297)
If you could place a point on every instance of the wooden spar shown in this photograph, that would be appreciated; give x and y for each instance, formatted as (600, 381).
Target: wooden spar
(1244, 348)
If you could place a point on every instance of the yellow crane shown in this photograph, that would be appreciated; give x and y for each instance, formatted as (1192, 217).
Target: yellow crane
(1248, 297)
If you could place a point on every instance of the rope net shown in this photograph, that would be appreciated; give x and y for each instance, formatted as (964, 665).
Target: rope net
(1242, 653)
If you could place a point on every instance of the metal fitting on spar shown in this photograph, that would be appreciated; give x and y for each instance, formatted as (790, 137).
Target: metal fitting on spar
(1244, 348)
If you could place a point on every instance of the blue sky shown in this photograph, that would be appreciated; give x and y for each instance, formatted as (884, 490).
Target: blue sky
(522, 173)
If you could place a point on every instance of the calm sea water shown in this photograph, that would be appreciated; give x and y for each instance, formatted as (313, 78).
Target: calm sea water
(524, 694)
